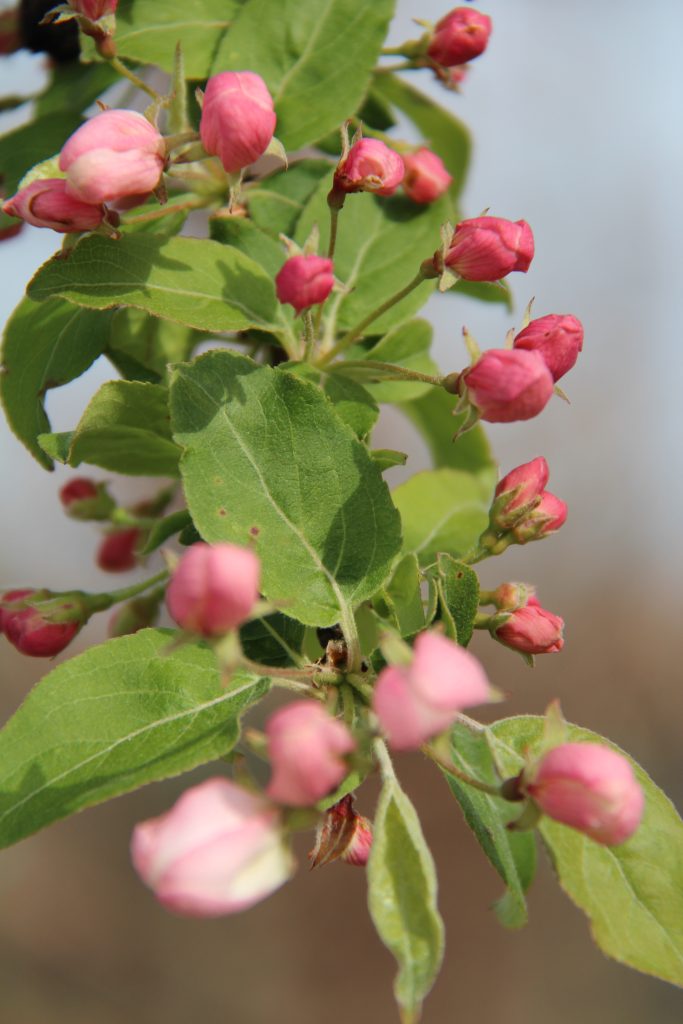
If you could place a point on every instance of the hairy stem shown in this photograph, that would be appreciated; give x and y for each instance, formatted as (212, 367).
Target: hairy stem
(447, 765)
(138, 82)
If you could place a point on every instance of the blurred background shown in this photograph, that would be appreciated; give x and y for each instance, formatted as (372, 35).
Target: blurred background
(575, 111)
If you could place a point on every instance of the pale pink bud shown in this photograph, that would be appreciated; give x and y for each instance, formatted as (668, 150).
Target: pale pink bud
(306, 747)
(545, 518)
(218, 850)
(558, 339)
(214, 588)
(418, 701)
(518, 491)
(426, 178)
(118, 550)
(532, 630)
(590, 788)
(507, 385)
(82, 498)
(115, 154)
(370, 167)
(342, 835)
(94, 9)
(31, 633)
(46, 203)
(238, 119)
(488, 248)
(459, 36)
(304, 281)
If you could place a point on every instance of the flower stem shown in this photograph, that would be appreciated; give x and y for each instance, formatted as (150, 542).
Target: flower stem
(138, 82)
(384, 761)
(100, 602)
(389, 371)
(164, 211)
(309, 335)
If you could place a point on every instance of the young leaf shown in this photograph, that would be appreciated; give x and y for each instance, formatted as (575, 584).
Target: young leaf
(267, 461)
(458, 588)
(316, 59)
(631, 893)
(276, 203)
(164, 528)
(387, 458)
(403, 596)
(125, 713)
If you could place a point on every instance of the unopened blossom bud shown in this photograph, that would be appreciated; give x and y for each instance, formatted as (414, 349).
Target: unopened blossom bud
(531, 630)
(214, 588)
(426, 178)
(370, 167)
(217, 851)
(94, 9)
(558, 339)
(307, 748)
(82, 498)
(545, 518)
(238, 119)
(117, 153)
(489, 248)
(31, 632)
(118, 550)
(459, 36)
(590, 788)
(518, 492)
(342, 835)
(418, 701)
(304, 281)
(48, 203)
(506, 385)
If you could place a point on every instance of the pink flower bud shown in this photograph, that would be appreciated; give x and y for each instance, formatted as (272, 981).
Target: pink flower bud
(426, 178)
(306, 748)
(518, 491)
(82, 498)
(218, 850)
(370, 167)
(418, 701)
(304, 281)
(238, 119)
(459, 36)
(118, 550)
(488, 248)
(558, 339)
(214, 588)
(94, 9)
(531, 630)
(47, 203)
(31, 633)
(115, 154)
(545, 518)
(342, 835)
(507, 385)
(590, 788)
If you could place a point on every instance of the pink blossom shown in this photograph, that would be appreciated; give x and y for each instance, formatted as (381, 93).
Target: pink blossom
(545, 518)
(47, 203)
(370, 167)
(306, 747)
(31, 633)
(532, 630)
(218, 850)
(590, 788)
(304, 281)
(506, 385)
(518, 490)
(488, 248)
(426, 178)
(459, 36)
(214, 588)
(558, 339)
(238, 119)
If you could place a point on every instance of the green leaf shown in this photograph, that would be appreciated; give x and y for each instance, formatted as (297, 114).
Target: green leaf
(45, 346)
(141, 346)
(512, 854)
(125, 713)
(458, 587)
(73, 87)
(267, 460)
(483, 292)
(164, 528)
(316, 59)
(193, 281)
(353, 404)
(442, 510)
(407, 345)
(57, 446)
(387, 458)
(276, 203)
(432, 414)
(632, 893)
(402, 897)
(148, 31)
(126, 429)
(174, 214)
(272, 640)
(403, 596)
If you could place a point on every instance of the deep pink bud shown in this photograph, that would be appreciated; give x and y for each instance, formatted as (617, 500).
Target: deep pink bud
(218, 850)
(507, 385)
(558, 339)
(118, 550)
(459, 36)
(306, 747)
(532, 630)
(84, 499)
(94, 9)
(342, 835)
(518, 491)
(488, 248)
(546, 517)
(115, 154)
(46, 203)
(31, 633)
(370, 167)
(238, 119)
(418, 701)
(590, 788)
(304, 281)
(214, 588)
(426, 178)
